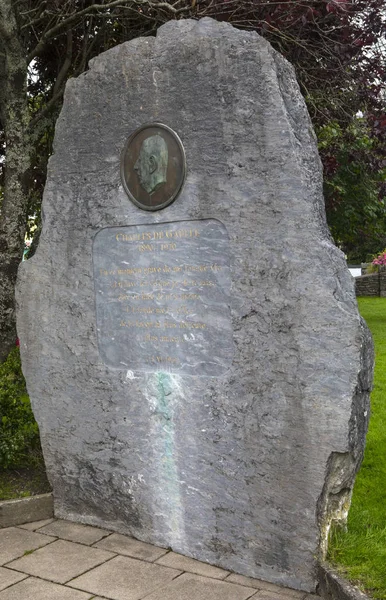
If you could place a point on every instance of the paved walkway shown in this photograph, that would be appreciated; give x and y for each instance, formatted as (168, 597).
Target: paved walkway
(60, 560)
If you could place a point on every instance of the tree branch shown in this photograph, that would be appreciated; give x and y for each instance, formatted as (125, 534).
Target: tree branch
(47, 109)
(66, 64)
(86, 47)
(58, 87)
(89, 11)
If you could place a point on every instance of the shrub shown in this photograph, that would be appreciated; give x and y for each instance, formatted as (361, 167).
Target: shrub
(19, 433)
(378, 261)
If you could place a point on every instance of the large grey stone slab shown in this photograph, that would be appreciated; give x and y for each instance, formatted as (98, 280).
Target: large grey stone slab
(37, 589)
(245, 469)
(61, 561)
(15, 542)
(124, 578)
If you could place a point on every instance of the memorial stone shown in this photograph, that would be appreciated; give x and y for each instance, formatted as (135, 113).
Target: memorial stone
(189, 333)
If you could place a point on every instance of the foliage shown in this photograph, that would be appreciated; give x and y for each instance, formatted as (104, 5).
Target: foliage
(19, 434)
(355, 174)
(380, 259)
(361, 551)
(377, 261)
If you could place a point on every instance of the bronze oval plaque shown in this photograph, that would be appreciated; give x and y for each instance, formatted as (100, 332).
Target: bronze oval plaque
(153, 166)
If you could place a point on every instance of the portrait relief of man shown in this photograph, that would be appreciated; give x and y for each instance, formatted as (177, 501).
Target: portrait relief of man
(152, 163)
(153, 166)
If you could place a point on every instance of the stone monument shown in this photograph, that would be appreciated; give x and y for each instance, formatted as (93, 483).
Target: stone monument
(189, 332)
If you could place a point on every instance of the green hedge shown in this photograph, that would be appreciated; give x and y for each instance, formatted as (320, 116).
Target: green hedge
(19, 433)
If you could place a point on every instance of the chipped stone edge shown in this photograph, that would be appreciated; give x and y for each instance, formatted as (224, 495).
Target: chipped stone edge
(333, 586)
(26, 510)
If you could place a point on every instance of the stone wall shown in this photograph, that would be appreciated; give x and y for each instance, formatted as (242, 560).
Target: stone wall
(372, 284)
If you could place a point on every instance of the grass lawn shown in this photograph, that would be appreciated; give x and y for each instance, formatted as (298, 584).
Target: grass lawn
(360, 553)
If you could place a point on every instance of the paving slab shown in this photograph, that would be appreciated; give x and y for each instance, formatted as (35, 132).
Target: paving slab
(8, 577)
(124, 578)
(127, 546)
(195, 587)
(36, 524)
(258, 584)
(37, 589)
(142, 571)
(61, 561)
(14, 542)
(184, 563)
(74, 532)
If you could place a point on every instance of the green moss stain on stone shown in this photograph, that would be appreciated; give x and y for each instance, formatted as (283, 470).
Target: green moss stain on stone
(166, 392)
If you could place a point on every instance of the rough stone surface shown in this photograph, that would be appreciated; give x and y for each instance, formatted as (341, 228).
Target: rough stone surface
(245, 470)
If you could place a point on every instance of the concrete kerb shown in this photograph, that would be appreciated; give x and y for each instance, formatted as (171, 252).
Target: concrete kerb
(334, 587)
(26, 510)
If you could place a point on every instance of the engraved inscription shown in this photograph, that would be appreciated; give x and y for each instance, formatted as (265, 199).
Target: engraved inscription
(162, 297)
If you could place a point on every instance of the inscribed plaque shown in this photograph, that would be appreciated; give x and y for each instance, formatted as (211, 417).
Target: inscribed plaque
(162, 297)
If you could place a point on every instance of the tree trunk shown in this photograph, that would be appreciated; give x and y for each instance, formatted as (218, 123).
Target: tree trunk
(15, 118)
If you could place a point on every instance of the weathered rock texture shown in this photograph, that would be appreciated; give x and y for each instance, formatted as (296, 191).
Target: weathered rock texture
(245, 470)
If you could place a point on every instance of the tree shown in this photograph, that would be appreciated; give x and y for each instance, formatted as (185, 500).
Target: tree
(355, 185)
(59, 37)
(326, 40)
